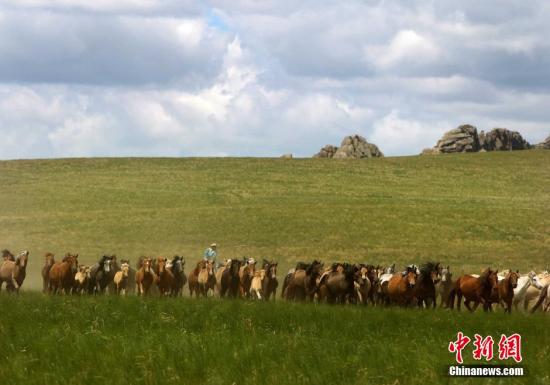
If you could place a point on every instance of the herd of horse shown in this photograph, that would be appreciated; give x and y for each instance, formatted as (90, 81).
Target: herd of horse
(336, 283)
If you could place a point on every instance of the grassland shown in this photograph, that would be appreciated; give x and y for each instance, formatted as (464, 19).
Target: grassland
(108, 340)
(467, 210)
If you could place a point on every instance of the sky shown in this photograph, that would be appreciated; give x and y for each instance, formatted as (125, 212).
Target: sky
(83, 78)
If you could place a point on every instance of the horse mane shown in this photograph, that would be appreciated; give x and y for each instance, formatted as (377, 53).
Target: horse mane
(8, 254)
(313, 265)
(484, 276)
(428, 267)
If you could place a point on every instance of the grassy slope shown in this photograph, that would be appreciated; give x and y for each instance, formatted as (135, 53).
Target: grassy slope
(467, 210)
(133, 341)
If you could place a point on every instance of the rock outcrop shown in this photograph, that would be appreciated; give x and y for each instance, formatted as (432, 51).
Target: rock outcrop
(354, 146)
(326, 152)
(465, 138)
(501, 139)
(544, 145)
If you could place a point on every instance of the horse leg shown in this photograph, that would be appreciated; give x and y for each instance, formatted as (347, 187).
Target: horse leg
(467, 304)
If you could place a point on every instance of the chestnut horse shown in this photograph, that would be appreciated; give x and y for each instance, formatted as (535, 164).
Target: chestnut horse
(474, 289)
(192, 279)
(400, 287)
(269, 282)
(49, 260)
(62, 274)
(424, 290)
(145, 276)
(506, 288)
(227, 279)
(246, 273)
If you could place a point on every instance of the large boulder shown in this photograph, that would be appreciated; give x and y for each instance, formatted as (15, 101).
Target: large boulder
(502, 139)
(326, 152)
(544, 145)
(357, 147)
(462, 139)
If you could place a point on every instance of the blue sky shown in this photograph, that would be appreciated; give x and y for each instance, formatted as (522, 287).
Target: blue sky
(263, 78)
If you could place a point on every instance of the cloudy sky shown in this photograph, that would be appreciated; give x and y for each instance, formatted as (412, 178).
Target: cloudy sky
(263, 78)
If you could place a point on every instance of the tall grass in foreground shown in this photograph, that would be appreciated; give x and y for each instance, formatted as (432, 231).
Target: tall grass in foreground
(109, 340)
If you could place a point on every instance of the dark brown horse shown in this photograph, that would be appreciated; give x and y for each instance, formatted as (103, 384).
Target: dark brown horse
(246, 274)
(424, 290)
(506, 290)
(165, 278)
(301, 283)
(338, 284)
(145, 276)
(474, 289)
(227, 279)
(49, 260)
(177, 269)
(102, 274)
(269, 282)
(400, 288)
(62, 274)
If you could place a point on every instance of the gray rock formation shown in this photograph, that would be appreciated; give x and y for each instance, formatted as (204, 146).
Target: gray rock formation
(461, 139)
(502, 139)
(326, 152)
(354, 146)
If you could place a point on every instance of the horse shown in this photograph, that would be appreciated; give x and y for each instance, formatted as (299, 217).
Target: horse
(372, 274)
(443, 287)
(101, 274)
(256, 290)
(227, 279)
(61, 275)
(301, 282)
(424, 289)
(121, 278)
(192, 279)
(177, 269)
(538, 282)
(49, 260)
(269, 281)
(81, 279)
(13, 272)
(505, 292)
(246, 273)
(337, 284)
(206, 279)
(165, 278)
(544, 297)
(400, 287)
(145, 276)
(479, 290)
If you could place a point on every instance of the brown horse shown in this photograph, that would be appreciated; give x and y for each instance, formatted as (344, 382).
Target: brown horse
(192, 279)
(49, 260)
(227, 279)
(301, 283)
(477, 290)
(145, 276)
(424, 290)
(13, 272)
(206, 280)
(121, 278)
(165, 278)
(400, 287)
(269, 282)
(62, 274)
(506, 290)
(246, 274)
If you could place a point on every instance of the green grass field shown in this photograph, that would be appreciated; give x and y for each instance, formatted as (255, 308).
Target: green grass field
(469, 211)
(115, 341)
